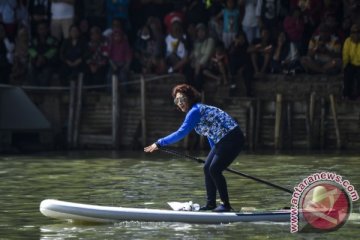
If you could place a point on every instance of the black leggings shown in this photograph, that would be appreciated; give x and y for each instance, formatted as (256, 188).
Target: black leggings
(219, 158)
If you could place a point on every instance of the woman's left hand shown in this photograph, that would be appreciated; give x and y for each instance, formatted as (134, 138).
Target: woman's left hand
(151, 148)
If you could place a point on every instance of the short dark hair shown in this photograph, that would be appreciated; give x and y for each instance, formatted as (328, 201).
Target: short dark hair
(189, 91)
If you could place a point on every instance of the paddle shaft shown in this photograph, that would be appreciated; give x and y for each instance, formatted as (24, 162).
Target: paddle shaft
(167, 150)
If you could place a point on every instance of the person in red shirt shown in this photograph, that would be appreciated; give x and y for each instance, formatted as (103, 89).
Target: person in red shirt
(294, 28)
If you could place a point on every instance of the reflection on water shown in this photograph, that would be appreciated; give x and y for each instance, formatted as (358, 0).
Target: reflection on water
(150, 181)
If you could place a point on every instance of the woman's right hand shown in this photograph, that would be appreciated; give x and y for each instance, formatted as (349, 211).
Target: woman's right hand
(151, 148)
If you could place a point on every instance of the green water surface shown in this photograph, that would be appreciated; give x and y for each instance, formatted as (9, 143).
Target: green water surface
(135, 179)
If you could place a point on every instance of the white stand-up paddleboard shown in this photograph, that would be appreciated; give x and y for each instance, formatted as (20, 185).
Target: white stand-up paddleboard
(94, 213)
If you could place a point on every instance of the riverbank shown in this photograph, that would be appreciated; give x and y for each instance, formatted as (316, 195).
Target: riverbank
(286, 113)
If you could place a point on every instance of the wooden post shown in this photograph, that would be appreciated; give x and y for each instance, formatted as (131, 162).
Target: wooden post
(312, 109)
(143, 111)
(78, 110)
(115, 111)
(336, 124)
(322, 124)
(311, 119)
(251, 126)
(71, 114)
(289, 124)
(308, 125)
(257, 123)
(278, 109)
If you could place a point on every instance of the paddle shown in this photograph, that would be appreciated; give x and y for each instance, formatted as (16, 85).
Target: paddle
(171, 151)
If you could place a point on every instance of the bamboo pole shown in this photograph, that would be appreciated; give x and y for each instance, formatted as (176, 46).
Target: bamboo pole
(312, 109)
(257, 123)
(115, 111)
(289, 124)
(143, 111)
(322, 124)
(311, 118)
(251, 126)
(78, 109)
(308, 125)
(278, 109)
(71, 113)
(336, 123)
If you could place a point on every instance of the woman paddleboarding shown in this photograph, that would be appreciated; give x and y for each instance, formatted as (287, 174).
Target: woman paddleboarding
(224, 135)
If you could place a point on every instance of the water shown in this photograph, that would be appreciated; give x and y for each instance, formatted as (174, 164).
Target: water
(151, 180)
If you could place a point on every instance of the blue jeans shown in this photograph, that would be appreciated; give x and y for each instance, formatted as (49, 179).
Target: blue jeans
(219, 158)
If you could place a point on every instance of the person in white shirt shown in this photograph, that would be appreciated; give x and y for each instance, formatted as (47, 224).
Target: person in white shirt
(8, 16)
(62, 17)
(250, 23)
(176, 50)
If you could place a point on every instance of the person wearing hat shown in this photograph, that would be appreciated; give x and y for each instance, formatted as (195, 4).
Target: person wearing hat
(351, 64)
(225, 138)
(176, 47)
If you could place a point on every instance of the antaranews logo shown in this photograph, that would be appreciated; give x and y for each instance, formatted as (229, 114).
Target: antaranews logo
(321, 202)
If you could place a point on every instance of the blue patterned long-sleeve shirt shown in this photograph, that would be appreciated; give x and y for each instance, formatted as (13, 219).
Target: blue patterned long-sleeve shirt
(207, 120)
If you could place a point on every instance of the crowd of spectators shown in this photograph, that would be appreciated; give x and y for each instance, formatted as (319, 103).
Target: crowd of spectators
(48, 42)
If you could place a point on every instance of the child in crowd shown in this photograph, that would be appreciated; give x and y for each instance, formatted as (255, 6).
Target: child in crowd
(219, 66)
(230, 15)
(294, 28)
(96, 62)
(261, 51)
(215, 23)
(286, 56)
